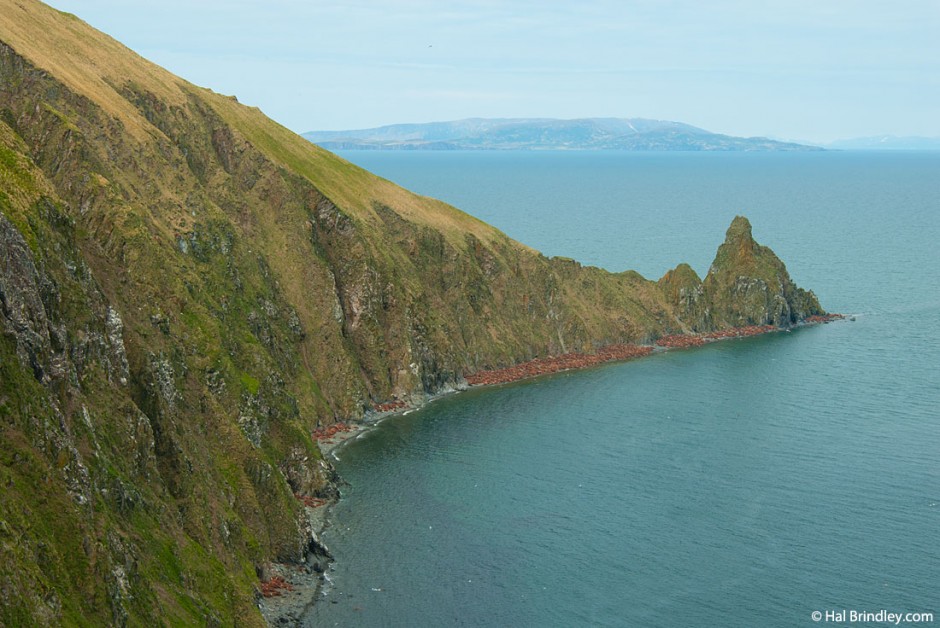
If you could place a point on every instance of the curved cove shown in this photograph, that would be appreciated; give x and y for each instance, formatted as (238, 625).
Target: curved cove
(747, 482)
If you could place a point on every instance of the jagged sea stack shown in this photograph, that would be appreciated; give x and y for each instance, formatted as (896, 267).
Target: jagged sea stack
(747, 284)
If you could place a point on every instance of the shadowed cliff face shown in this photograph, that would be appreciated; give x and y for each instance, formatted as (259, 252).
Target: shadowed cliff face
(187, 290)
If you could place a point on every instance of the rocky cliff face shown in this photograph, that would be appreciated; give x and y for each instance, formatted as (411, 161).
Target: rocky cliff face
(684, 290)
(187, 290)
(747, 284)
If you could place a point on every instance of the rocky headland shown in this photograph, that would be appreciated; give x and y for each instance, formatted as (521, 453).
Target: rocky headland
(195, 301)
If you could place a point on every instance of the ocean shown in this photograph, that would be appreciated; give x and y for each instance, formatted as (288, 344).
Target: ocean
(750, 482)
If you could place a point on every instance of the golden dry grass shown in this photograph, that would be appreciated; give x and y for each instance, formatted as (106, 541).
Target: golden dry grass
(96, 66)
(88, 61)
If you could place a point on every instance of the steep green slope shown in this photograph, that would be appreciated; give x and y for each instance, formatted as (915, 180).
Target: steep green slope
(187, 290)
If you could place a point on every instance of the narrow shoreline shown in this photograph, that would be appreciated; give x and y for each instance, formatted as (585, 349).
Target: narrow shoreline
(622, 352)
(290, 590)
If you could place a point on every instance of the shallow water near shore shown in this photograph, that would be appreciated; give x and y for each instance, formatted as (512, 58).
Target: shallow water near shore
(747, 482)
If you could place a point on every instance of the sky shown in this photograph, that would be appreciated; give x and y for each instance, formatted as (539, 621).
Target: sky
(808, 70)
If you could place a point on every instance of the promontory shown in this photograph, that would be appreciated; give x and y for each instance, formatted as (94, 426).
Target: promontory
(188, 291)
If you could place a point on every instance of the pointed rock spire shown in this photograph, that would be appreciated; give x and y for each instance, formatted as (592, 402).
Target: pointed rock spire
(747, 284)
(740, 229)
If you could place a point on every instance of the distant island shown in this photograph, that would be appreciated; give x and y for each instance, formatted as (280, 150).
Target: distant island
(636, 134)
(886, 142)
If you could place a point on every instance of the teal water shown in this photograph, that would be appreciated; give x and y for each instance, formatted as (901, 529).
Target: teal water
(743, 483)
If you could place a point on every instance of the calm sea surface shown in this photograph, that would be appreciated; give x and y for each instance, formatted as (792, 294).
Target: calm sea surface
(745, 483)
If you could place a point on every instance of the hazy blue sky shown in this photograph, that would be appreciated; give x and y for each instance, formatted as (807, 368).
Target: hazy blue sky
(794, 69)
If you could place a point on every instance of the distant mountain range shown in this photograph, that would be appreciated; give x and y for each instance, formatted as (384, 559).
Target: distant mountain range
(886, 142)
(636, 134)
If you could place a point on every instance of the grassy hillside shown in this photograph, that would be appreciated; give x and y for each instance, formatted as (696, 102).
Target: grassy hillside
(187, 290)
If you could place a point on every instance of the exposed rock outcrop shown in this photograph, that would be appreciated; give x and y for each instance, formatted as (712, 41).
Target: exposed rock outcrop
(684, 289)
(747, 284)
